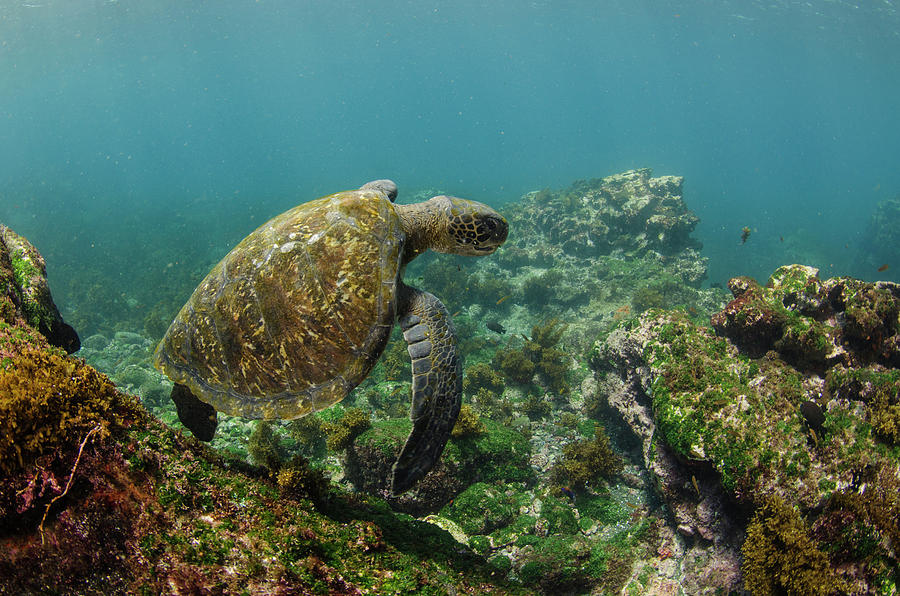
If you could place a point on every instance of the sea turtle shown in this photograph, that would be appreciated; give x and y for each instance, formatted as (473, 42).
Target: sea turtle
(298, 313)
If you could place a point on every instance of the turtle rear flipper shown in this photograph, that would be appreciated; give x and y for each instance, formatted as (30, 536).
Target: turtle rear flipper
(198, 416)
(436, 385)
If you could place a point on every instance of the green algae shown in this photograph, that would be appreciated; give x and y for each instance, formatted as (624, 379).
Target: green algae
(481, 508)
(821, 343)
(24, 271)
(354, 538)
(706, 408)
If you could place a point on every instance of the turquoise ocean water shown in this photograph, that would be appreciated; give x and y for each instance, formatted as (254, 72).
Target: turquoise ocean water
(137, 138)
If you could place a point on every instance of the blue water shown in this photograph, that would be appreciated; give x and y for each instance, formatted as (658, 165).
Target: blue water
(177, 118)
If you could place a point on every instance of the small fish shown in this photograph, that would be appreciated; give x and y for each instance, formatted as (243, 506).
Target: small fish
(781, 238)
(568, 492)
(495, 327)
(525, 337)
(745, 233)
(884, 267)
(456, 313)
(503, 299)
(696, 486)
(813, 414)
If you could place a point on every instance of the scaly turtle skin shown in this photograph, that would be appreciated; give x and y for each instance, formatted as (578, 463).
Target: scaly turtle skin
(298, 313)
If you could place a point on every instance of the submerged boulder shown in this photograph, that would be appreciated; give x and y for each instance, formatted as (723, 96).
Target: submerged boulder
(791, 402)
(25, 293)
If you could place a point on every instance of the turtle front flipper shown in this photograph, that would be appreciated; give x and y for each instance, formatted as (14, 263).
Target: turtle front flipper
(436, 384)
(198, 416)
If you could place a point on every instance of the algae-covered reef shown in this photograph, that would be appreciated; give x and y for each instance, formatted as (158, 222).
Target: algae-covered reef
(772, 434)
(623, 431)
(25, 294)
(98, 496)
(532, 490)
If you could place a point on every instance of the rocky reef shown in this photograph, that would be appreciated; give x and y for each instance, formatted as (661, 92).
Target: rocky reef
(98, 496)
(772, 435)
(25, 294)
(623, 430)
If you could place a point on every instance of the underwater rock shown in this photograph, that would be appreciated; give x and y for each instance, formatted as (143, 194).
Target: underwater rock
(690, 491)
(812, 323)
(630, 212)
(799, 401)
(25, 293)
(583, 253)
(97, 496)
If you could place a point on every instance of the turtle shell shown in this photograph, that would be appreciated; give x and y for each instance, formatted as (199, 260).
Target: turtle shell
(296, 315)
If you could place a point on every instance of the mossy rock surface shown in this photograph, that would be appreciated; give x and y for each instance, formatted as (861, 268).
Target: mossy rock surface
(482, 508)
(499, 454)
(795, 399)
(173, 516)
(25, 293)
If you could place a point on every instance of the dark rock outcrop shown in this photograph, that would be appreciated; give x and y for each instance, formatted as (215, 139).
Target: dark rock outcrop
(25, 293)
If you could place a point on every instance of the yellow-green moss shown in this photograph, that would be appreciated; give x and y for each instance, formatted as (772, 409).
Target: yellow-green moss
(49, 401)
(550, 362)
(536, 407)
(468, 424)
(299, 480)
(264, 447)
(585, 462)
(482, 375)
(539, 355)
(514, 366)
(341, 434)
(780, 557)
(308, 432)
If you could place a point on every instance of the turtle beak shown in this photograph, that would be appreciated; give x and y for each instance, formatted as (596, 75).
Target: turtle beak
(501, 231)
(492, 232)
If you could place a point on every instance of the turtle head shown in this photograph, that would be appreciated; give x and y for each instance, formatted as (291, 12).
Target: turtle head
(467, 227)
(388, 187)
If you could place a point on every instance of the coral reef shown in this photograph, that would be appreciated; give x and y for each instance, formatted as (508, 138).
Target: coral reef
(629, 211)
(583, 262)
